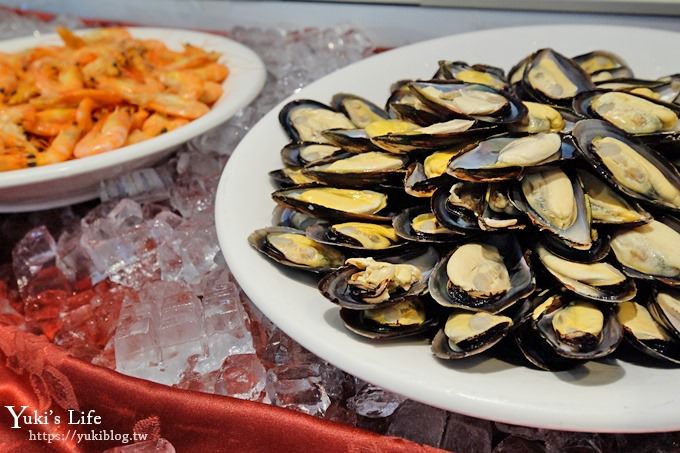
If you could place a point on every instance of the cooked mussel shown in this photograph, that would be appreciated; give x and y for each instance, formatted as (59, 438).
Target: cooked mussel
(296, 155)
(646, 334)
(367, 283)
(292, 248)
(578, 329)
(497, 211)
(404, 105)
(477, 73)
(598, 281)
(457, 207)
(289, 177)
(358, 170)
(540, 118)
(358, 236)
(466, 333)
(489, 274)
(474, 101)
(410, 317)
(397, 136)
(331, 203)
(418, 224)
(608, 206)
(304, 120)
(665, 308)
(287, 217)
(552, 78)
(360, 111)
(350, 140)
(650, 251)
(603, 65)
(631, 112)
(555, 202)
(423, 178)
(504, 157)
(630, 166)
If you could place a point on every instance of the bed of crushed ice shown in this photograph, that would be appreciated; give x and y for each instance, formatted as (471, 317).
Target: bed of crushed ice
(135, 282)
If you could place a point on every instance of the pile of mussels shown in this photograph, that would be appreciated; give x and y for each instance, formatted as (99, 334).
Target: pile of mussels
(537, 210)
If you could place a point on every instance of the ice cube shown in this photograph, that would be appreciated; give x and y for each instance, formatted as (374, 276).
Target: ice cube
(375, 402)
(242, 376)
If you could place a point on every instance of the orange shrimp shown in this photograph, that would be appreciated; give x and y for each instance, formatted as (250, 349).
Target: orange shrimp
(213, 72)
(212, 91)
(109, 133)
(174, 105)
(185, 84)
(61, 148)
(84, 114)
(70, 39)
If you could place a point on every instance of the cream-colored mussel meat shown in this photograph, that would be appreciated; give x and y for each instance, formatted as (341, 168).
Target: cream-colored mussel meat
(637, 319)
(466, 100)
(311, 122)
(608, 206)
(428, 223)
(369, 235)
(547, 77)
(634, 172)
(435, 164)
(578, 319)
(479, 270)
(541, 118)
(634, 114)
(529, 150)
(462, 326)
(299, 249)
(550, 193)
(379, 278)
(405, 313)
(651, 249)
(372, 161)
(669, 303)
(346, 200)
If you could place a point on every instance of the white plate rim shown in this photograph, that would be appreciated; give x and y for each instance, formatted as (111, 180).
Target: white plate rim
(247, 75)
(658, 415)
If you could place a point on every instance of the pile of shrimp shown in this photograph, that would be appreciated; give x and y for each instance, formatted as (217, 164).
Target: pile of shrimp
(99, 92)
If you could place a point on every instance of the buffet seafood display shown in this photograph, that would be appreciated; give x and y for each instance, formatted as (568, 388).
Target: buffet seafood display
(531, 214)
(99, 92)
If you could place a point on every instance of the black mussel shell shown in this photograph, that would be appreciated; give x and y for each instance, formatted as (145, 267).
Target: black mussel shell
(449, 70)
(570, 69)
(475, 164)
(335, 288)
(350, 140)
(511, 113)
(457, 218)
(293, 154)
(283, 197)
(582, 104)
(258, 240)
(522, 281)
(492, 219)
(287, 217)
(323, 233)
(284, 178)
(603, 65)
(357, 322)
(403, 225)
(586, 347)
(359, 110)
(366, 179)
(664, 350)
(290, 128)
(660, 314)
(586, 131)
(598, 250)
(619, 292)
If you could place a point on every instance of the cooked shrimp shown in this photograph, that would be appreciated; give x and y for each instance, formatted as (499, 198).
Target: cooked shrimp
(109, 133)
(84, 114)
(61, 148)
(211, 92)
(49, 123)
(8, 80)
(70, 39)
(182, 83)
(172, 104)
(213, 72)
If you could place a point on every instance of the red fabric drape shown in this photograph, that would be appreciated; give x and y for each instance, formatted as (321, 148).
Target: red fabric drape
(35, 373)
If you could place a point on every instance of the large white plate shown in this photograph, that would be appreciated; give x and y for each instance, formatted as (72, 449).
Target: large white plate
(78, 180)
(606, 397)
